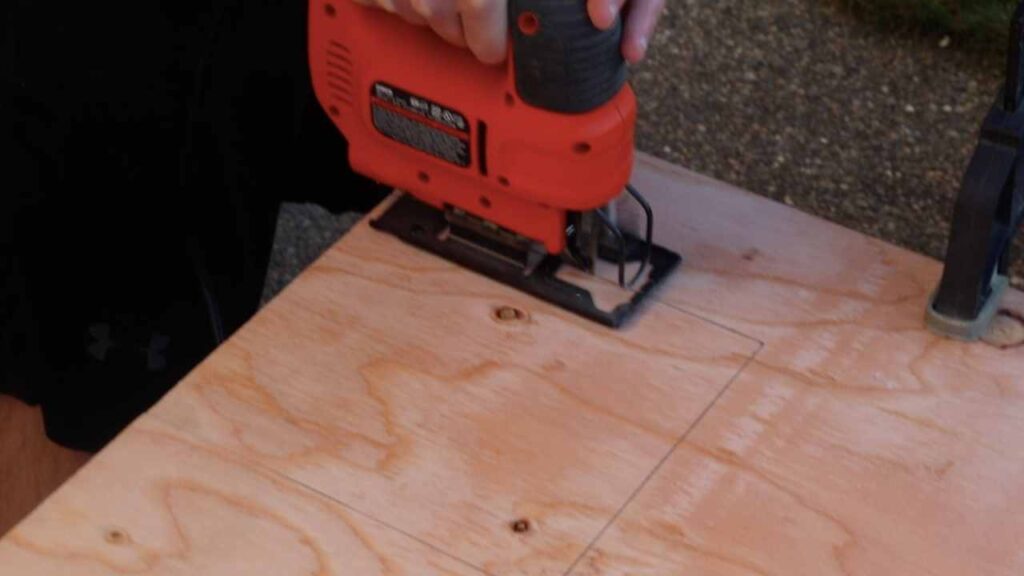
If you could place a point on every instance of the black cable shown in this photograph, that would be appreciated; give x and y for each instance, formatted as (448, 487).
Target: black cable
(650, 231)
(622, 245)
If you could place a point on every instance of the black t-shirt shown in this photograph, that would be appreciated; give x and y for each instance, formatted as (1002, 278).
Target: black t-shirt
(147, 146)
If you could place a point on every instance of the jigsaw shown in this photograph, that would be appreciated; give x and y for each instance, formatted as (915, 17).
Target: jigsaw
(512, 171)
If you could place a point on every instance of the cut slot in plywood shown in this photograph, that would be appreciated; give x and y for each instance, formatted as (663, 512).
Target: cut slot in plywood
(386, 380)
(158, 504)
(603, 284)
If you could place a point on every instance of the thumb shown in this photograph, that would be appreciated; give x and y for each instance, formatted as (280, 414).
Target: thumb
(604, 12)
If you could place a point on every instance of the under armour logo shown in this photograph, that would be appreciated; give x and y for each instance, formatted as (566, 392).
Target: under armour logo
(156, 357)
(103, 342)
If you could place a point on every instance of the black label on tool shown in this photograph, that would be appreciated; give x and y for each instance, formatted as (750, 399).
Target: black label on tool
(420, 123)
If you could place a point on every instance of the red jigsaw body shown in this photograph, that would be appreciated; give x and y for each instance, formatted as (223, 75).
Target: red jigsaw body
(428, 118)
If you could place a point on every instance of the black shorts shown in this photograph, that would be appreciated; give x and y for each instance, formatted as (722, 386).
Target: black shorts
(146, 146)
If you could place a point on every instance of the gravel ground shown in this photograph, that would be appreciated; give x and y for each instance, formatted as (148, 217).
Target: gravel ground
(304, 232)
(794, 100)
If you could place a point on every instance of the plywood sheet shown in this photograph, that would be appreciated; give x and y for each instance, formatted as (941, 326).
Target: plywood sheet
(156, 503)
(857, 442)
(786, 477)
(829, 304)
(780, 411)
(385, 380)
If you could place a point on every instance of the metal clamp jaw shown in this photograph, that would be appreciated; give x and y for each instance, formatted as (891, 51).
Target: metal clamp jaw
(988, 212)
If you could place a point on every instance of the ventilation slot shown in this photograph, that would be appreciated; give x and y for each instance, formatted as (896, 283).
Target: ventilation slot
(481, 147)
(339, 73)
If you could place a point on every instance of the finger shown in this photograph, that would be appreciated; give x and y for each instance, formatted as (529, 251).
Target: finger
(404, 9)
(604, 12)
(640, 22)
(387, 5)
(443, 18)
(485, 23)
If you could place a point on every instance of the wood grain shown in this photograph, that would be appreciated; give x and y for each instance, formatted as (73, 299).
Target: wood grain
(31, 466)
(829, 304)
(781, 410)
(785, 477)
(155, 503)
(857, 442)
(385, 380)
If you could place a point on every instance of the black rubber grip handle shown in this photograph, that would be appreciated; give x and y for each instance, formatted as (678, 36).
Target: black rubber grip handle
(563, 62)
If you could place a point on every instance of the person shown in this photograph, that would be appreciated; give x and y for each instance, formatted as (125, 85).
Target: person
(481, 25)
(147, 147)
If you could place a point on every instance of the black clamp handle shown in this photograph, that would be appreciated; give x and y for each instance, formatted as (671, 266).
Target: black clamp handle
(988, 212)
(563, 62)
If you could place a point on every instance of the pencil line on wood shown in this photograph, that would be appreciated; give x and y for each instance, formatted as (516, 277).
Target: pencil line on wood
(373, 518)
(664, 459)
(693, 314)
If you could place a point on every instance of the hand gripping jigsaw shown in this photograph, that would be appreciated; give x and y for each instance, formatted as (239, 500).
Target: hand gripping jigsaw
(509, 170)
